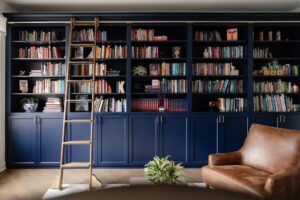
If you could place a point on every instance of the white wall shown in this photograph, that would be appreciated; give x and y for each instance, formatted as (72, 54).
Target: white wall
(2, 91)
(5, 7)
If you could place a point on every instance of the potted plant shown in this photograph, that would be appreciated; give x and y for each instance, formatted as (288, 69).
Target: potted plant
(162, 171)
(29, 104)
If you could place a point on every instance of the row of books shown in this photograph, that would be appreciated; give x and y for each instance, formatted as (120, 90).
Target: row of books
(87, 35)
(53, 69)
(275, 87)
(231, 104)
(37, 36)
(146, 35)
(224, 52)
(274, 69)
(87, 69)
(48, 86)
(39, 52)
(173, 86)
(116, 51)
(145, 52)
(101, 87)
(53, 104)
(207, 36)
(261, 53)
(109, 105)
(167, 69)
(273, 103)
(218, 86)
(214, 69)
(155, 104)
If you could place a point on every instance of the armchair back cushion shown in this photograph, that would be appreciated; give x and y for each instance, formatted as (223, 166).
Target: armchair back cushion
(273, 150)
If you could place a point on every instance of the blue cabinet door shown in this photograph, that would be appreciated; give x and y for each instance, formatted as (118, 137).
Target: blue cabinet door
(291, 121)
(143, 139)
(81, 131)
(50, 131)
(266, 119)
(204, 138)
(174, 137)
(233, 133)
(22, 141)
(112, 140)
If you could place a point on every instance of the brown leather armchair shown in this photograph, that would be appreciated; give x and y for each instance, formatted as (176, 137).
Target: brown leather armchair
(267, 166)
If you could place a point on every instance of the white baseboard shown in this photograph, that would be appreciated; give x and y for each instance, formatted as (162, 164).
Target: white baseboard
(2, 166)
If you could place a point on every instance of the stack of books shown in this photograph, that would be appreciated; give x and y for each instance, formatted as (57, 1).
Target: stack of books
(35, 72)
(53, 105)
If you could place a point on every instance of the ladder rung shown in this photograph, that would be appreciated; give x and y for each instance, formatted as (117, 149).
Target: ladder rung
(78, 100)
(81, 62)
(82, 45)
(77, 142)
(79, 121)
(76, 164)
(80, 81)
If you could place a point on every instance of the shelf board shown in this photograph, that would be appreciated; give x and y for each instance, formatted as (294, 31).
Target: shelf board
(221, 42)
(275, 58)
(281, 76)
(219, 76)
(38, 42)
(159, 59)
(147, 94)
(217, 59)
(158, 42)
(17, 76)
(111, 59)
(277, 42)
(117, 76)
(101, 42)
(219, 94)
(158, 77)
(39, 59)
(274, 93)
(104, 94)
(34, 94)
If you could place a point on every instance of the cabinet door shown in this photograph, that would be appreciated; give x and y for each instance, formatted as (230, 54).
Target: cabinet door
(23, 141)
(50, 132)
(143, 136)
(234, 132)
(204, 138)
(81, 131)
(174, 137)
(112, 140)
(269, 120)
(291, 121)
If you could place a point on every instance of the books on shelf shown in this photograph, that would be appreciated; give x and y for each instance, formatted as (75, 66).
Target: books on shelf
(275, 87)
(40, 52)
(207, 36)
(153, 105)
(101, 36)
(274, 69)
(262, 53)
(145, 52)
(53, 69)
(37, 36)
(109, 105)
(167, 69)
(84, 35)
(87, 69)
(53, 104)
(224, 52)
(230, 104)
(173, 86)
(214, 69)
(110, 52)
(218, 86)
(48, 86)
(273, 103)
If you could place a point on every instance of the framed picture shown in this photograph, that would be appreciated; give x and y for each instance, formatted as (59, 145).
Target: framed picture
(82, 106)
(176, 52)
(23, 86)
(79, 52)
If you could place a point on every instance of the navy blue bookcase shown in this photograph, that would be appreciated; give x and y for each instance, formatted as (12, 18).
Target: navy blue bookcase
(131, 139)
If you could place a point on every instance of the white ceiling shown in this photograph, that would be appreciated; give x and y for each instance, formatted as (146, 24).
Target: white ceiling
(155, 5)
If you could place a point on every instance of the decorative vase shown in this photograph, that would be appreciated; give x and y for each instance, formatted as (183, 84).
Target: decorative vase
(30, 107)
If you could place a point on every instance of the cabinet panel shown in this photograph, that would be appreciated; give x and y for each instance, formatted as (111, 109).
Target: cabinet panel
(174, 137)
(291, 122)
(204, 138)
(50, 141)
(112, 140)
(268, 120)
(234, 132)
(23, 141)
(142, 139)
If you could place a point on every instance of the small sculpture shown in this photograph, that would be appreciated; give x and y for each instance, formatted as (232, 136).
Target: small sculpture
(270, 36)
(278, 35)
(261, 36)
(22, 73)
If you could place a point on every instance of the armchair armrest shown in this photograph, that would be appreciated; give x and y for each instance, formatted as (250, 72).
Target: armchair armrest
(232, 158)
(284, 183)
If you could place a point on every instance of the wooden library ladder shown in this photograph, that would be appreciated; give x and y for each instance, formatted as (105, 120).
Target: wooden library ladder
(94, 182)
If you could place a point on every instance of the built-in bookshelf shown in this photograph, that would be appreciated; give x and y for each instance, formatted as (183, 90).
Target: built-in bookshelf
(219, 68)
(276, 71)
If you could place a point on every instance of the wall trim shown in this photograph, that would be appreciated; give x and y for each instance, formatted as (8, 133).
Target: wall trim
(2, 23)
(2, 166)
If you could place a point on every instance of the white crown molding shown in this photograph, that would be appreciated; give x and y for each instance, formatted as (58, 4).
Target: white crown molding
(2, 166)
(2, 23)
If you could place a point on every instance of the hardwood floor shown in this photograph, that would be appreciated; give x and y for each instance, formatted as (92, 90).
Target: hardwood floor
(18, 184)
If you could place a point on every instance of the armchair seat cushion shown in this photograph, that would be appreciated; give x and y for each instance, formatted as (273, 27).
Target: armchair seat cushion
(238, 178)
